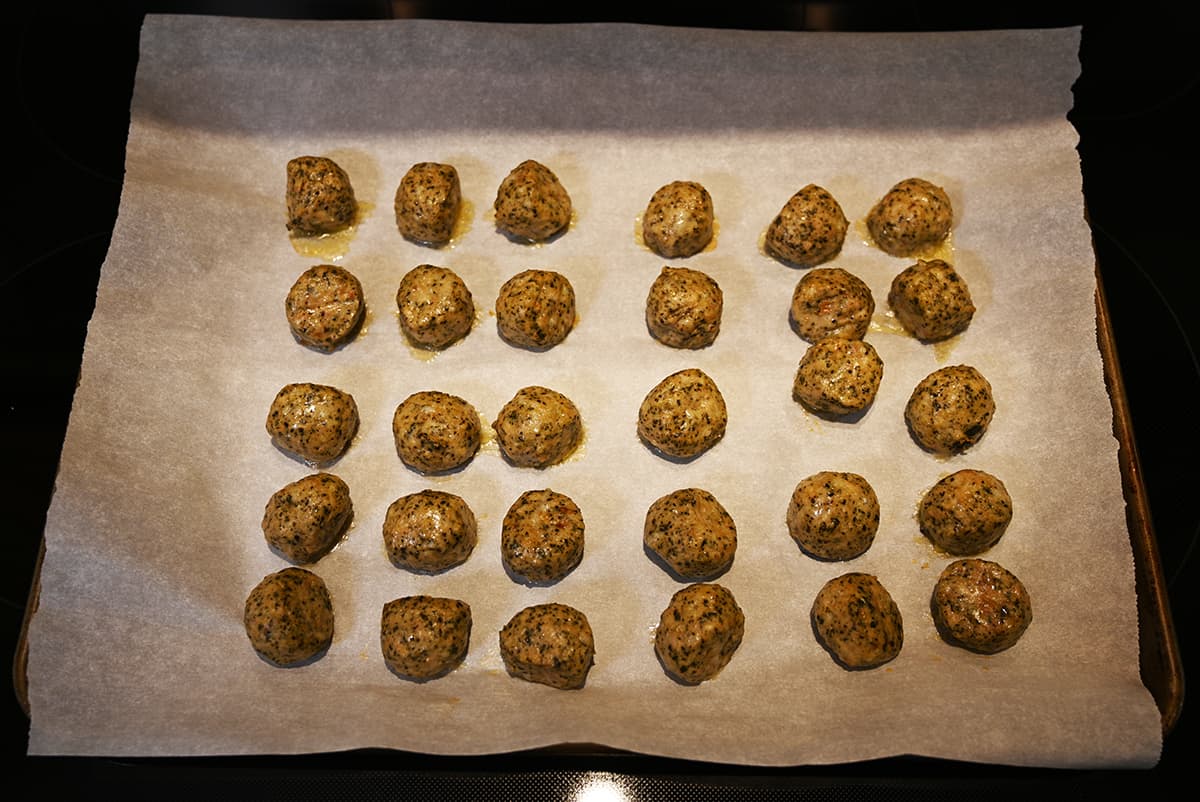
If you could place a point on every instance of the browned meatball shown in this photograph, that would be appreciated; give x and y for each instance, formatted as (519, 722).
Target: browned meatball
(319, 197)
(436, 432)
(538, 427)
(325, 307)
(436, 308)
(551, 644)
(304, 519)
(289, 617)
(830, 302)
(809, 230)
(981, 606)
(931, 300)
(684, 307)
(857, 621)
(833, 515)
(965, 513)
(678, 221)
(684, 415)
(699, 632)
(427, 203)
(914, 216)
(541, 538)
(531, 203)
(691, 532)
(950, 409)
(536, 309)
(424, 637)
(315, 422)
(838, 377)
(429, 531)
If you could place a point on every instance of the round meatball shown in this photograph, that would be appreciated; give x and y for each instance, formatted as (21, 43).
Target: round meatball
(931, 300)
(838, 377)
(678, 221)
(914, 216)
(319, 197)
(541, 538)
(304, 519)
(436, 308)
(691, 532)
(429, 531)
(809, 230)
(857, 621)
(289, 617)
(684, 415)
(981, 606)
(436, 432)
(698, 632)
(683, 308)
(531, 203)
(315, 422)
(830, 302)
(424, 637)
(325, 307)
(538, 427)
(833, 515)
(427, 203)
(950, 409)
(536, 309)
(965, 513)
(551, 644)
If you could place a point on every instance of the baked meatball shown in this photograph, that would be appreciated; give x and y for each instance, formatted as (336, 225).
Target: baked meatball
(838, 377)
(931, 300)
(950, 409)
(289, 617)
(304, 519)
(325, 307)
(833, 515)
(424, 637)
(981, 606)
(551, 644)
(319, 197)
(315, 422)
(678, 221)
(541, 538)
(691, 532)
(538, 427)
(427, 203)
(684, 307)
(913, 217)
(536, 309)
(809, 230)
(857, 621)
(698, 632)
(531, 203)
(830, 302)
(436, 308)
(429, 531)
(436, 432)
(965, 513)
(684, 415)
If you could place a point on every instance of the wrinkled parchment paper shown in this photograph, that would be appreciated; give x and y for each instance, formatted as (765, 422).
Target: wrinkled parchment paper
(153, 538)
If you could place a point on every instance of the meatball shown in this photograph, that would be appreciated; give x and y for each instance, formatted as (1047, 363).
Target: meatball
(436, 308)
(965, 513)
(325, 307)
(678, 221)
(551, 644)
(833, 515)
(950, 409)
(536, 309)
(427, 203)
(911, 218)
(289, 617)
(424, 637)
(838, 377)
(684, 415)
(809, 230)
(691, 532)
(304, 519)
(429, 531)
(931, 300)
(541, 538)
(857, 621)
(436, 432)
(981, 606)
(531, 203)
(683, 308)
(538, 427)
(698, 632)
(830, 302)
(315, 422)
(319, 197)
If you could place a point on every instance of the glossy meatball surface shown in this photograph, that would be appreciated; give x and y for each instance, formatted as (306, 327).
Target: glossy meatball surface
(691, 532)
(857, 621)
(809, 230)
(699, 632)
(833, 515)
(429, 531)
(288, 617)
(838, 377)
(678, 221)
(831, 302)
(914, 216)
(304, 519)
(314, 422)
(965, 513)
(424, 637)
(950, 410)
(435, 305)
(684, 308)
(536, 309)
(427, 203)
(980, 605)
(531, 203)
(931, 300)
(325, 307)
(542, 536)
(683, 415)
(538, 427)
(319, 197)
(550, 644)
(436, 432)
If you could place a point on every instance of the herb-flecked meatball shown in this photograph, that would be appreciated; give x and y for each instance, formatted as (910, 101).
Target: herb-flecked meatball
(684, 308)
(857, 621)
(831, 302)
(319, 197)
(541, 538)
(325, 307)
(551, 644)
(691, 532)
(531, 203)
(315, 422)
(950, 409)
(538, 427)
(305, 518)
(678, 221)
(931, 300)
(838, 377)
(424, 637)
(913, 217)
(536, 309)
(833, 515)
(683, 415)
(981, 606)
(435, 431)
(436, 307)
(427, 203)
(698, 632)
(429, 531)
(809, 230)
(965, 513)
(289, 617)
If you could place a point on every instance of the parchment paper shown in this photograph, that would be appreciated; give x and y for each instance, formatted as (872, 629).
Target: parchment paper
(153, 538)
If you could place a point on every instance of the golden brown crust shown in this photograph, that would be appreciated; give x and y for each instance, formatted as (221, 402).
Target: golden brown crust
(833, 515)
(429, 531)
(965, 513)
(319, 197)
(424, 637)
(699, 632)
(683, 415)
(838, 376)
(531, 203)
(950, 409)
(684, 308)
(914, 216)
(536, 309)
(325, 307)
(541, 537)
(550, 644)
(857, 621)
(691, 532)
(436, 432)
(436, 307)
(981, 606)
(315, 422)
(304, 519)
(809, 230)
(678, 221)
(288, 617)
(538, 427)
(931, 300)
(427, 203)
(831, 302)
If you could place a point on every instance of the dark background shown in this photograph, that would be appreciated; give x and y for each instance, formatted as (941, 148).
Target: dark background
(71, 69)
